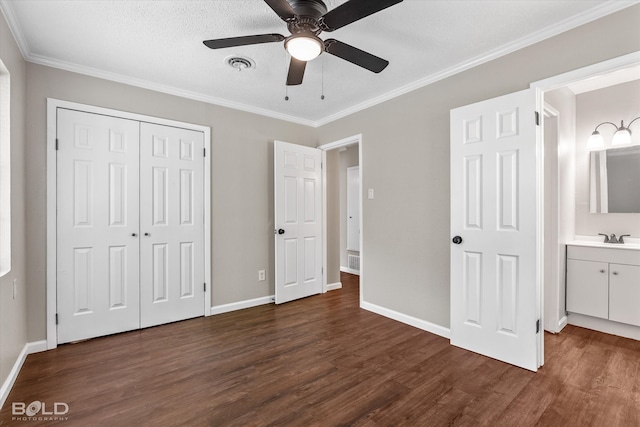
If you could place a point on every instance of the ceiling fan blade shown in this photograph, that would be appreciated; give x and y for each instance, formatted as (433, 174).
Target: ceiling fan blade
(243, 41)
(282, 8)
(296, 72)
(352, 11)
(355, 55)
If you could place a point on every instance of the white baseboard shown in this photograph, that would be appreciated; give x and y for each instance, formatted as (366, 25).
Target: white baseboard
(606, 326)
(349, 270)
(562, 323)
(29, 348)
(334, 286)
(225, 308)
(409, 320)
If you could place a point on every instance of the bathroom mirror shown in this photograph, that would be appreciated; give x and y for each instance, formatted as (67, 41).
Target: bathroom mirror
(615, 180)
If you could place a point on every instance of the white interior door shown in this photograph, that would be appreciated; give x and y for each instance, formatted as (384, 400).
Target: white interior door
(353, 208)
(171, 224)
(97, 225)
(494, 210)
(298, 221)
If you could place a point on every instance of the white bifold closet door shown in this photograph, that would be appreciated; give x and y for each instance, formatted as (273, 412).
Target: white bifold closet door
(129, 225)
(171, 222)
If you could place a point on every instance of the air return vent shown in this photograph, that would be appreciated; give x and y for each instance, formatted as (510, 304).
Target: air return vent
(354, 262)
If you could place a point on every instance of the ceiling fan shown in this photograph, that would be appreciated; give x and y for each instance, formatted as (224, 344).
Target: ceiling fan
(306, 19)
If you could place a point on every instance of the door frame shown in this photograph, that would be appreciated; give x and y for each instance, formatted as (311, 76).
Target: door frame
(551, 271)
(345, 142)
(52, 173)
(542, 86)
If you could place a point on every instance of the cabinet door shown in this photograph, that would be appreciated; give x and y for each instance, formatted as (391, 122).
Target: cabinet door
(624, 293)
(588, 288)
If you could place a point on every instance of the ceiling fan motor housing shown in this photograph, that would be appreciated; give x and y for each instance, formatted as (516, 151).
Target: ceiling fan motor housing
(308, 14)
(312, 8)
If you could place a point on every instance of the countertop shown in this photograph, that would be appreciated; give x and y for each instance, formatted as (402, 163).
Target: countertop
(596, 242)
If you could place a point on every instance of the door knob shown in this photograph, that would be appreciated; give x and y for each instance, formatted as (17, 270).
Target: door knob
(457, 240)
(147, 234)
(133, 234)
(280, 231)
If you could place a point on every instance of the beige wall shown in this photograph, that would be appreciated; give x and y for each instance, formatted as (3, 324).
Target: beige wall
(612, 104)
(242, 179)
(405, 159)
(13, 312)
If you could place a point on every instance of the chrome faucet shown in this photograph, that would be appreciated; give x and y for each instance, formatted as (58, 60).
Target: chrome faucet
(612, 238)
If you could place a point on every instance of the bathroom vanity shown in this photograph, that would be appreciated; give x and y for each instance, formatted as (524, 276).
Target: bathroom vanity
(603, 281)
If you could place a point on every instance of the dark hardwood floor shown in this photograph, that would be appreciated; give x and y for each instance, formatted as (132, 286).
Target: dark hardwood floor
(323, 361)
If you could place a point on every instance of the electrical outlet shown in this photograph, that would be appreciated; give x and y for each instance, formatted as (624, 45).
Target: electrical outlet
(262, 275)
(15, 288)
(370, 193)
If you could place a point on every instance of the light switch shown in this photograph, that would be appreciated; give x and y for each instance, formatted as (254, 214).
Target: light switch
(370, 193)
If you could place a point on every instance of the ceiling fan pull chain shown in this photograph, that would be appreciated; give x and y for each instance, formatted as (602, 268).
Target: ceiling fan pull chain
(286, 87)
(322, 79)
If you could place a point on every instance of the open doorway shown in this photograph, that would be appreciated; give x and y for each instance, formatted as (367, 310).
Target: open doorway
(575, 104)
(343, 214)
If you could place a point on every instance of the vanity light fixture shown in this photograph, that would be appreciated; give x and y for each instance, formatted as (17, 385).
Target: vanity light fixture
(620, 138)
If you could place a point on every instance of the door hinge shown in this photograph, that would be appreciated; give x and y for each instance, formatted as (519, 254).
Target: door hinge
(537, 119)
(56, 144)
(205, 287)
(537, 326)
(56, 318)
(204, 151)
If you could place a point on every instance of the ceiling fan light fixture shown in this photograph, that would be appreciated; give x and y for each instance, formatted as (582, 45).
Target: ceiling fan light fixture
(304, 47)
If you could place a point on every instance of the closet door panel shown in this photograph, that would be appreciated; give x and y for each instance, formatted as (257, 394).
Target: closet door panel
(97, 225)
(172, 224)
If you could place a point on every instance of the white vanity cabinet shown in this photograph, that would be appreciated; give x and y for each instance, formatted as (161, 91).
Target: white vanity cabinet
(624, 293)
(588, 288)
(604, 282)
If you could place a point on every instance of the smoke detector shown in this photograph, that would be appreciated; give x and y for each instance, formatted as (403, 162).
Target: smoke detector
(240, 63)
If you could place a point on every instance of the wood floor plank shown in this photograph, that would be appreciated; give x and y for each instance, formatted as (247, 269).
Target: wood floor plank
(323, 361)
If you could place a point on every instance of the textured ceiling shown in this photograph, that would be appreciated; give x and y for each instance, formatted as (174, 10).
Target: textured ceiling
(158, 44)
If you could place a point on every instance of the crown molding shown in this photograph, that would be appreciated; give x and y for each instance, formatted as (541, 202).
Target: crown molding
(15, 28)
(170, 90)
(597, 12)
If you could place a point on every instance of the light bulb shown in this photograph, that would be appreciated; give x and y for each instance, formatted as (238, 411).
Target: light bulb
(621, 137)
(595, 141)
(304, 47)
